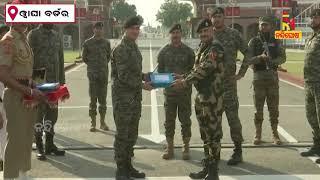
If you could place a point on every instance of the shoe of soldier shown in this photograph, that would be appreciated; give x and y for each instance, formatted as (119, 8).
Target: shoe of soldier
(92, 129)
(311, 152)
(39, 144)
(134, 172)
(276, 140)
(199, 175)
(122, 173)
(51, 148)
(169, 152)
(104, 127)
(257, 141)
(212, 171)
(318, 161)
(236, 157)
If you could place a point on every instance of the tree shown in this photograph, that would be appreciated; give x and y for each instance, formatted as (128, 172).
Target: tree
(121, 10)
(172, 12)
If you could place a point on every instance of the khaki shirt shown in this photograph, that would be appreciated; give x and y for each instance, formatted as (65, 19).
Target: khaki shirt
(20, 60)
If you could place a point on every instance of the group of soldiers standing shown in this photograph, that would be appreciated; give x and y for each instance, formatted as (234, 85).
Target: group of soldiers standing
(211, 70)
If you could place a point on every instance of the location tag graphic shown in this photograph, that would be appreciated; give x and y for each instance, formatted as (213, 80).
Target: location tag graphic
(13, 11)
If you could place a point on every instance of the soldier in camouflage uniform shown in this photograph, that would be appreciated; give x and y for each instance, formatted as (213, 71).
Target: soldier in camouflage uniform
(176, 57)
(312, 83)
(96, 54)
(207, 77)
(47, 47)
(127, 78)
(265, 55)
(232, 43)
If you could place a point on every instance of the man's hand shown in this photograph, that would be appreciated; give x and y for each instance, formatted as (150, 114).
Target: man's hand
(264, 57)
(38, 95)
(236, 77)
(1, 121)
(179, 84)
(177, 76)
(147, 86)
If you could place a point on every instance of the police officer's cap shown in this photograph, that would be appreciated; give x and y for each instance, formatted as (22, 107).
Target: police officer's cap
(315, 12)
(217, 10)
(175, 27)
(266, 20)
(98, 25)
(133, 21)
(205, 23)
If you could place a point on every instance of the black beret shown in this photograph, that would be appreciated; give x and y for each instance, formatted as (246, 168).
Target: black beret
(315, 12)
(175, 27)
(98, 25)
(204, 24)
(133, 21)
(217, 10)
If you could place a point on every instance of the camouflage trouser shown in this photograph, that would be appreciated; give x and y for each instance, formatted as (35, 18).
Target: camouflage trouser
(231, 108)
(312, 92)
(209, 119)
(46, 120)
(98, 92)
(182, 104)
(266, 90)
(127, 113)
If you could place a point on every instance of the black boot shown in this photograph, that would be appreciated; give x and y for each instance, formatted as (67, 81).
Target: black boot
(201, 174)
(40, 155)
(236, 157)
(122, 172)
(212, 167)
(134, 172)
(51, 148)
(314, 150)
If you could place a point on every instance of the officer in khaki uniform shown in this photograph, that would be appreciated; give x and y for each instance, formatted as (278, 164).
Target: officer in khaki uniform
(16, 61)
(176, 57)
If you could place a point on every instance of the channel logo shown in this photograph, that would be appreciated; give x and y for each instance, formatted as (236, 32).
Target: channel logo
(40, 13)
(287, 28)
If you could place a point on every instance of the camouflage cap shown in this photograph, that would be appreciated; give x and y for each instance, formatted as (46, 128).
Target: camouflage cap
(98, 25)
(175, 27)
(217, 10)
(315, 12)
(133, 21)
(205, 23)
(266, 20)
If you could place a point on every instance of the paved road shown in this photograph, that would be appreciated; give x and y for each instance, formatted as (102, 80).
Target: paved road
(90, 155)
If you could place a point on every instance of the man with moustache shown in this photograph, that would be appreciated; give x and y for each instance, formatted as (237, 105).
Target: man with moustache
(312, 83)
(127, 85)
(176, 57)
(47, 47)
(232, 43)
(207, 77)
(16, 68)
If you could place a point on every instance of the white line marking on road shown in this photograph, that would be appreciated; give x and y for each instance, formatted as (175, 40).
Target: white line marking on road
(292, 84)
(286, 135)
(74, 69)
(240, 177)
(155, 130)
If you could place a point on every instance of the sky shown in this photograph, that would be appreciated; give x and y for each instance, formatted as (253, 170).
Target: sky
(148, 10)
